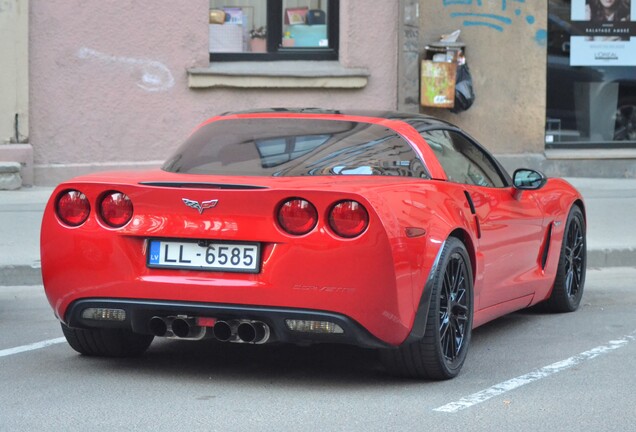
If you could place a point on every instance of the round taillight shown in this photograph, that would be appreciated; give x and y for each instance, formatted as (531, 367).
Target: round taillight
(348, 219)
(297, 216)
(116, 209)
(73, 208)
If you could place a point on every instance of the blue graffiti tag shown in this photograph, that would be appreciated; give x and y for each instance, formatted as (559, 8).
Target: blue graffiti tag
(493, 21)
(499, 18)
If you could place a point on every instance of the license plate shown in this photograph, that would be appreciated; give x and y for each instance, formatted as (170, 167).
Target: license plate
(212, 256)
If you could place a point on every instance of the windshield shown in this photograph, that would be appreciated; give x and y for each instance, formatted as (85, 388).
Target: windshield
(295, 147)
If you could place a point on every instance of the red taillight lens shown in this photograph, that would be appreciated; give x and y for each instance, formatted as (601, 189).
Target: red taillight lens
(116, 209)
(73, 208)
(348, 219)
(297, 216)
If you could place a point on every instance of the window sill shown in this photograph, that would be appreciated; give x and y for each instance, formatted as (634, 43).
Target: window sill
(278, 74)
(595, 154)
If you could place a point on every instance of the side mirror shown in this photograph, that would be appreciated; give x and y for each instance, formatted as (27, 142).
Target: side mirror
(527, 179)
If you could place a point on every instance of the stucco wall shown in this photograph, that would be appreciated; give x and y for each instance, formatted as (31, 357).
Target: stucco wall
(507, 58)
(109, 79)
(13, 71)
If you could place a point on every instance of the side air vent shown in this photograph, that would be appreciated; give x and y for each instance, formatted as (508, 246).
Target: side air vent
(546, 247)
(197, 185)
(472, 210)
(470, 202)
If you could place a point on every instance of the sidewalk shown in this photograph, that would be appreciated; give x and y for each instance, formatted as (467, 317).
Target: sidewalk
(611, 210)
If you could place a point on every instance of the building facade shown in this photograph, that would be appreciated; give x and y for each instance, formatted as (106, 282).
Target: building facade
(116, 85)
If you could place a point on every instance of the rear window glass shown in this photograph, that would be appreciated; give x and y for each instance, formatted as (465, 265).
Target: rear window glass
(295, 147)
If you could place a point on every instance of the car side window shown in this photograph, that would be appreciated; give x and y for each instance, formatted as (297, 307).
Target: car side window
(463, 161)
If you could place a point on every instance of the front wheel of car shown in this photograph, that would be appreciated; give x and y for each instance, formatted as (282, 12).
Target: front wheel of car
(441, 352)
(570, 278)
(106, 342)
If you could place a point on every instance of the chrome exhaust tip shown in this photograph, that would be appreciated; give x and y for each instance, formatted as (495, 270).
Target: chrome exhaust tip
(254, 332)
(180, 327)
(223, 331)
(186, 328)
(159, 326)
(242, 331)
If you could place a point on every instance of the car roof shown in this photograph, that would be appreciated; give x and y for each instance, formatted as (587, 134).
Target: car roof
(420, 121)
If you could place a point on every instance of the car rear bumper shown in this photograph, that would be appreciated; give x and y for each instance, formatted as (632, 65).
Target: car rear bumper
(139, 313)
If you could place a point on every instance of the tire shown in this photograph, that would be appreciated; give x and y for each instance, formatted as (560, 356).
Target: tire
(106, 342)
(570, 278)
(438, 355)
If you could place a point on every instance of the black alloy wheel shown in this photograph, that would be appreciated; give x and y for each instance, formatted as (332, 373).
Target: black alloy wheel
(441, 352)
(453, 308)
(570, 278)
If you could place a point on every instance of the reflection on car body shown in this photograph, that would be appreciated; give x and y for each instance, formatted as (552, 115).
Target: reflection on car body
(391, 231)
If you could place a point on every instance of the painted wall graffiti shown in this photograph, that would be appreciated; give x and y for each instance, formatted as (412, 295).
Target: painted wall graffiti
(497, 15)
(154, 76)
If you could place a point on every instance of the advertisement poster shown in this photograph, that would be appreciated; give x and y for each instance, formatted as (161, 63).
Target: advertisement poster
(438, 84)
(606, 33)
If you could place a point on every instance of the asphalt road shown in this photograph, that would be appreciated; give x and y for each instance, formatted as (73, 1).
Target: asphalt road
(525, 372)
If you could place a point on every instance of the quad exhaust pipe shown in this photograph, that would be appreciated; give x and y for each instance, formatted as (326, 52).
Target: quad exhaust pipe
(185, 327)
(242, 331)
(176, 327)
(161, 327)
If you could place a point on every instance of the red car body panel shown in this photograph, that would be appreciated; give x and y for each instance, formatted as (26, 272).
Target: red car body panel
(376, 279)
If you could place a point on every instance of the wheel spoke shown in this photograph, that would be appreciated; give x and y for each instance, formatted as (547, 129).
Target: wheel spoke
(568, 281)
(458, 337)
(576, 281)
(446, 343)
(451, 352)
(458, 276)
(454, 308)
(444, 327)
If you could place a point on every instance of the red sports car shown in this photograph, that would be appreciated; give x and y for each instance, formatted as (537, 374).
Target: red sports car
(378, 229)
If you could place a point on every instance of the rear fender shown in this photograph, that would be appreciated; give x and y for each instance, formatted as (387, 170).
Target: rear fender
(438, 214)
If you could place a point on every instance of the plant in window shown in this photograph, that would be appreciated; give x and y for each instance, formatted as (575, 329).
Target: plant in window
(258, 33)
(258, 41)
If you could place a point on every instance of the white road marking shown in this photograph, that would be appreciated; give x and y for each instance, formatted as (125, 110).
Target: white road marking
(506, 386)
(31, 347)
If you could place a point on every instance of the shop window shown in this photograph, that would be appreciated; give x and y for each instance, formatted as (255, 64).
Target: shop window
(273, 30)
(591, 77)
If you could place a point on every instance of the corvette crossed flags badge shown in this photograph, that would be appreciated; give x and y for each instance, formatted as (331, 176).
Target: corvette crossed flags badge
(203, 205)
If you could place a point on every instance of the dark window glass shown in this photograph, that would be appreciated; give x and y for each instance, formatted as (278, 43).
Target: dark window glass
(591, 77)
(273, 30)
(462, 160)
(295, 147)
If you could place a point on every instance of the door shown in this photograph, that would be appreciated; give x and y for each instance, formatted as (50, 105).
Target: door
(510, 222)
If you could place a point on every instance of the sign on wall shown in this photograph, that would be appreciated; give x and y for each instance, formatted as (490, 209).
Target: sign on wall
(605, 33)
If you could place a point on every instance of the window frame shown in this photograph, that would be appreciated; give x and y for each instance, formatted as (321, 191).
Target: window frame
(275, 53)
(495, 165)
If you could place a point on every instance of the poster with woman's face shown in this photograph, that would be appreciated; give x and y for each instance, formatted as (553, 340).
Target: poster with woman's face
(602, 11)
(606, 33)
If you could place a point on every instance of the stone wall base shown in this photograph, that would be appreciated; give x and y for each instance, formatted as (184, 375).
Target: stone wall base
(22, 154)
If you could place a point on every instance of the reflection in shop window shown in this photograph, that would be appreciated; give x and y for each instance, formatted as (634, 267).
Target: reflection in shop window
(591, 76)
(273, 29)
